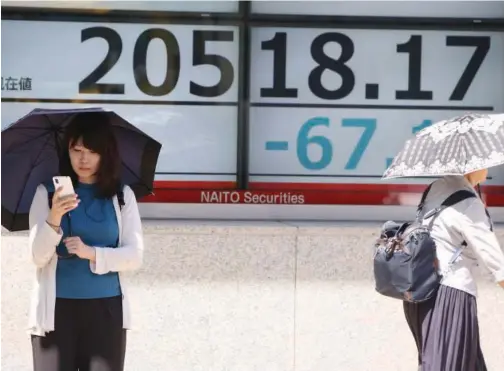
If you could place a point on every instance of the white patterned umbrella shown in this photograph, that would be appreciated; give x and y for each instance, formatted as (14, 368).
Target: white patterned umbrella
(456, 146)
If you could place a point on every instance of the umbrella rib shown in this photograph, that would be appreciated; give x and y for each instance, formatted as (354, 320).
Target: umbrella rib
(30, 140)
(56, 131)
(25, 182)
(135, 175)
(137, 132)
(24, 128)
(69, 118)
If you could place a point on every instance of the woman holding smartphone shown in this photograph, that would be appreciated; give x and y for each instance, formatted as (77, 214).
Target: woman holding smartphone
(81, 245)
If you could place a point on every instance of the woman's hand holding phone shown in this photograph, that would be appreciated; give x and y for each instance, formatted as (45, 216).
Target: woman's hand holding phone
(60, 206)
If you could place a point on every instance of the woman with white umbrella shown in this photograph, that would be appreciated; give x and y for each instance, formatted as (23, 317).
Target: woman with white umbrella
(460, 151)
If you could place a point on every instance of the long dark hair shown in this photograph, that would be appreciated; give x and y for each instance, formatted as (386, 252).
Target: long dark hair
(97, 135)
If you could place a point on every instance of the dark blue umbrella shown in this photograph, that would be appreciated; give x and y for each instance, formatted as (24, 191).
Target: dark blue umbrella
(30, 156)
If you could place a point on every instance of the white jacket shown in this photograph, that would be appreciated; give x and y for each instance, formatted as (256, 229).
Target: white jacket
(43, 241)
(465, 221)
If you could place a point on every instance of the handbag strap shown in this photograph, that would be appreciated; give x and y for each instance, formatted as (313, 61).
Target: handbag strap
(478, 188)
(453, 199)
(459, 250)
(450, 201)
(422, 202)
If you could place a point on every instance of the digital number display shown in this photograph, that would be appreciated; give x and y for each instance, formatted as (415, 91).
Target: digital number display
(337, 105)
(326, 105)
(126, 61)
(90, 84)
(412, 48)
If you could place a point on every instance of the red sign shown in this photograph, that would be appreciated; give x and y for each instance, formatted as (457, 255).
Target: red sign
(299, 194)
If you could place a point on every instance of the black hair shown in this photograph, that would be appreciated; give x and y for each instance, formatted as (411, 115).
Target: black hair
(97, 135)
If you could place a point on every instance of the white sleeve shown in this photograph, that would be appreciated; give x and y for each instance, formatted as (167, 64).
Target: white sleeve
(129, 255)
(475, 228)
(43, 239)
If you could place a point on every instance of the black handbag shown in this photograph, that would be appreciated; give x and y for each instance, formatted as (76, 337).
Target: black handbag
(405, 263)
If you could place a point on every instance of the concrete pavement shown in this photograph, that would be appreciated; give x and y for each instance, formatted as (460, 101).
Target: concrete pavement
(252, 296)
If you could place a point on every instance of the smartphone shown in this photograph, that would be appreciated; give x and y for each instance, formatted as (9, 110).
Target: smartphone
(66, 183)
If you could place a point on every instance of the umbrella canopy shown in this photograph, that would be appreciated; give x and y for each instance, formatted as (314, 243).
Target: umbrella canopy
(456, 146)
(30, 156)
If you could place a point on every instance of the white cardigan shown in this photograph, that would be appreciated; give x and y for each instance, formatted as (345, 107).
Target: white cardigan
(465, 221)
(44, 239)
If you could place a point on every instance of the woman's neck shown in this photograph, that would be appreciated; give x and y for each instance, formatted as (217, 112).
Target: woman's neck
(471, 180)
(89, 180)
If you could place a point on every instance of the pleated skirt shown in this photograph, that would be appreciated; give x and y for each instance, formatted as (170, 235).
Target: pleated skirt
(446, 332)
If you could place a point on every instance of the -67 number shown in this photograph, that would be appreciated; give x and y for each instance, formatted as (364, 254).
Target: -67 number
(304, 140)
